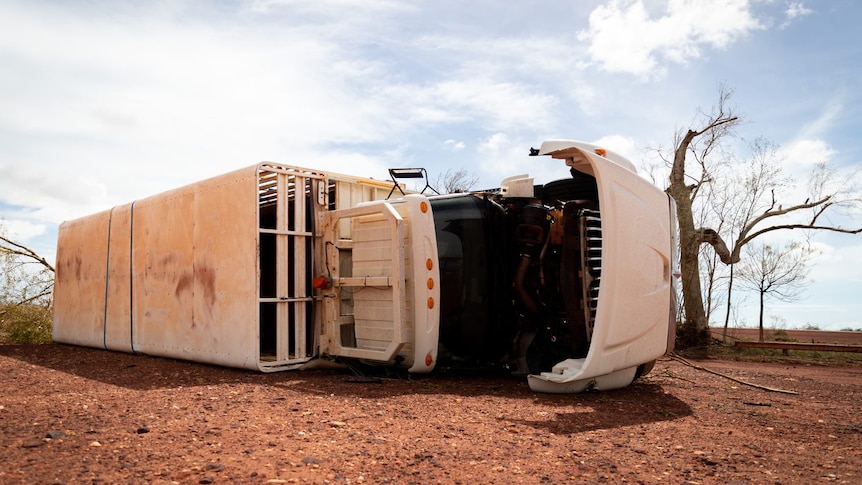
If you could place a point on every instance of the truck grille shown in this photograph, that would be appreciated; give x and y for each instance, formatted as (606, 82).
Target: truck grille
(591, 253)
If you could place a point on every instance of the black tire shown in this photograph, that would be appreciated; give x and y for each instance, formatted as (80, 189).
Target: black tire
(582, 187)
(643, 370)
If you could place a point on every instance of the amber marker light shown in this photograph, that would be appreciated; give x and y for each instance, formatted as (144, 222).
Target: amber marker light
(430, 302)
(423, 206)
(428, 360)
(430, 283)
(601, 151)
(429, 264)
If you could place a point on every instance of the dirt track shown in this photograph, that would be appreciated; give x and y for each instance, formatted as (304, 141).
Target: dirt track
(73, 415)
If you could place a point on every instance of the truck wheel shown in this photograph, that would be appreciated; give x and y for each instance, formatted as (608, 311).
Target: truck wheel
(579, 188)
(643, 370)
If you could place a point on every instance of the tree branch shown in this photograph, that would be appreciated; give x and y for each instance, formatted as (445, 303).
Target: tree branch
(745, 237)
(734, 379)
(781, 211)
(743, 242)
(24, 251)
(713, 238)
(45, 292)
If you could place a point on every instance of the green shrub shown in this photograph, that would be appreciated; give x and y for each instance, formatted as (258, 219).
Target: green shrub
(781, 336)
(25, 324)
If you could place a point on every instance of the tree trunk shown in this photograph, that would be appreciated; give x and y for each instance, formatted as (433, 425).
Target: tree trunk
(727, 313)
(694, 332)
(760, 319)
(690, 268)
(710, 286)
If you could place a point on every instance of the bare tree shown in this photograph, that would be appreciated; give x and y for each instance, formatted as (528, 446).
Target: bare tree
(741, 191)
(699, 143)
(23, 284)
(757, 198)
(757, 210)
(454, 181)
(775, 272)
(711, 212)
(815, 206)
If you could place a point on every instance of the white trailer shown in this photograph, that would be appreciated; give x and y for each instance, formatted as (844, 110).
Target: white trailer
(273, 267)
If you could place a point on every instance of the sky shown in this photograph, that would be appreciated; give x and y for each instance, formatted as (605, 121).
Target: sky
(105, 102)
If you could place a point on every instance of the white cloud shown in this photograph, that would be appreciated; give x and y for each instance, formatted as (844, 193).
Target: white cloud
(454, 145)
(795, 11)
(22, 231)
(624, 36)
(494, 144)
(107, 102)
(150, 101)
(502, 155)
(623, 145)
(136, 105)
(828, 117)
(326, 7)
(497, 105)
(804, 153)
(51, 197)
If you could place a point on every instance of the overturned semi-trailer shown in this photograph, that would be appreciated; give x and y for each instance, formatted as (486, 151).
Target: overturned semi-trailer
(272, 267)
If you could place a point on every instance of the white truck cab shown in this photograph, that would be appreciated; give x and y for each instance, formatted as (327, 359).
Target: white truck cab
(275, 267)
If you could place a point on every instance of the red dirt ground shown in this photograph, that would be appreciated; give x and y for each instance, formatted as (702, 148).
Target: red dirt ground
(74, 415)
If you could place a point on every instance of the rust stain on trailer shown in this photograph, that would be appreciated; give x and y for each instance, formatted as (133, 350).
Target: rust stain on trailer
(166, 261)
(206, 276)
(203, 277)
(184, 283)
(72, 266)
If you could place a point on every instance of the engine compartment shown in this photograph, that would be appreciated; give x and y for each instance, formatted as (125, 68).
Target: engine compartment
(519, 275)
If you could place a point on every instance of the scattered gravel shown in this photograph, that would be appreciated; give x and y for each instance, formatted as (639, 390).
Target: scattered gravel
(73, 415)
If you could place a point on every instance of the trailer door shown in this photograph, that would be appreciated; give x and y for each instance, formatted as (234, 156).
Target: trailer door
(288, 199)
(381, 299)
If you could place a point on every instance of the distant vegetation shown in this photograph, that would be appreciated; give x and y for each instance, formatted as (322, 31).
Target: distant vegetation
(25, 324)
(26, 288)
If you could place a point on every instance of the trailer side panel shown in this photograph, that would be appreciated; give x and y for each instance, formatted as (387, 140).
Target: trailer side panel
(173, 275)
